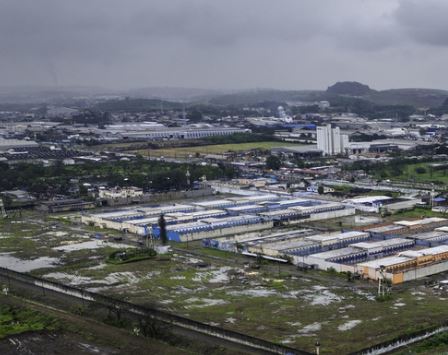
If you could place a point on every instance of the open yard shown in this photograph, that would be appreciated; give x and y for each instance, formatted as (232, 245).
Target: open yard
(185, 152)
(419, 173)
(275, 302)
(417, 212)
(27, 327)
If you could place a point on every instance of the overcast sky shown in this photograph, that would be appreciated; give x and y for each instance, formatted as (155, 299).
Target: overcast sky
(285, 44)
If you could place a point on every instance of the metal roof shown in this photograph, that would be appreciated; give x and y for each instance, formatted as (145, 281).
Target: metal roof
(388, 261)
(420, 221)
(367, 199)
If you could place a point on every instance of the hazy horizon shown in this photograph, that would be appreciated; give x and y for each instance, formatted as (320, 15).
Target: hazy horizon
(223, 45)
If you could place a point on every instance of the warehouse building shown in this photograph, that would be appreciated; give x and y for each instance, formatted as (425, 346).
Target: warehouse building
(387, 231)
(141, 226)
(246, 209)
(256, 242)
(255, 199)
(430, 239)
(408, 265)
(144, 226)
(287, 203)
(358, 252)
(320, 243)
(384, 247)
(275, 244)
(214, 227)
(368, 203)
(407, 227)
(425, 224)
(12, 144)
(268, 209)
(389, 250)
(300, 214)
(338, 240)
(115, 219)
(212, 204)
(187, 132)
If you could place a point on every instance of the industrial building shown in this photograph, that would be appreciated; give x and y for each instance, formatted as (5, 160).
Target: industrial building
(213, 227)
(218, 217)
(330, 140)
(12, 144)
(183, 133)
(391, 251)
(150, 131)
(402, 251)
(321, 210)
(408, 265)
(65, 205)
(118, 219)
(144, 226)
(256, 242)
(368, 203)
(359, 252)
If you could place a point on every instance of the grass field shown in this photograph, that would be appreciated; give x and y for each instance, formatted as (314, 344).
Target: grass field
(185, 152)
(276, 303)
(421, 173)
(15, 320)
(417, 212)
(437, 344)
(113, 146)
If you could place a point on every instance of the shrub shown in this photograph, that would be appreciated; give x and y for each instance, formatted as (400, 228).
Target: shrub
(420, 170)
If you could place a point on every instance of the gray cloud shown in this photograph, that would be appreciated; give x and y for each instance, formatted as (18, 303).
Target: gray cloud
(424, 21)
(221, 43)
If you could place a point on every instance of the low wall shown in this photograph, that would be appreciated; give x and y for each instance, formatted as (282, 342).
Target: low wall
(75, 295)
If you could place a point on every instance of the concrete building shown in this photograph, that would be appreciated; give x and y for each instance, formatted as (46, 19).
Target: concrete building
(65, 205)
(18, 198)
(11, 144)
(367, 203)
(330, 140)
(120, 192)
(186, 132)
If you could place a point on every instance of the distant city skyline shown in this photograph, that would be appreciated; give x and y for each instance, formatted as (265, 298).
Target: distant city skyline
(231, 44)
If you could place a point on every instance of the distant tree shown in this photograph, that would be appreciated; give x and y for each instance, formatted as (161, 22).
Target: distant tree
(299, 163)
(162, 226)
(420, 170)
(7, 201)
(273, 162)
(194, 116)
(83, 190)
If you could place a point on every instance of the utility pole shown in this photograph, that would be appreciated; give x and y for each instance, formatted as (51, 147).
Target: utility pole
(317, 346)
(188, 175)
(381, 284)
(2, 209)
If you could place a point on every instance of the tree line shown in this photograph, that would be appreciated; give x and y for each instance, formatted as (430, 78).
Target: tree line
(149, 175)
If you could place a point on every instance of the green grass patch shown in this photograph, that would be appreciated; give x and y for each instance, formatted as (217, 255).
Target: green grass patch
(130, 256)
(217, 253)
(17, 320)
(417, 172)
(417, 212)
(437, 344)
(185, 152)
